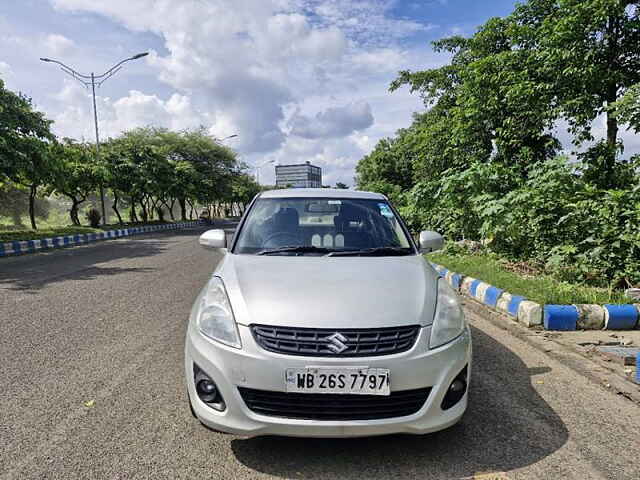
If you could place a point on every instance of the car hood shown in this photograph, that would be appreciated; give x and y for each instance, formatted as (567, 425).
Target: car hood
(330, 292)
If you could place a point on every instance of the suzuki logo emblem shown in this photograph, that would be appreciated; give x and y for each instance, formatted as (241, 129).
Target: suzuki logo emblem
(336, 344)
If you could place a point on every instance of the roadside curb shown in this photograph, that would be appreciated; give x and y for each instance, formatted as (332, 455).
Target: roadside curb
(592, 367)
(22, 247)
(551, 317)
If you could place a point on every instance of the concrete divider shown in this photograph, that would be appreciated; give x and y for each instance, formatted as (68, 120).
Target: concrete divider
(479, 290)
(473, 288)
(454, 279)
(465, 287)
(503, 302)
(553, 317)
(492, 295)
(17, 247)
(560, 317)
(590, 317)
(620, 317)
(529, 313)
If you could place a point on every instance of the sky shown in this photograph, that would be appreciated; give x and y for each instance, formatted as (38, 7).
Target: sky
(295, 80)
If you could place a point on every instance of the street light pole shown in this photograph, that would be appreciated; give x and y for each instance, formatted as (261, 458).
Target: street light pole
(84, 80)
(95, 122)
(258, 170)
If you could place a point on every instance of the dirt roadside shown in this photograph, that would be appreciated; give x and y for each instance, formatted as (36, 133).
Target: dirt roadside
(578, 350)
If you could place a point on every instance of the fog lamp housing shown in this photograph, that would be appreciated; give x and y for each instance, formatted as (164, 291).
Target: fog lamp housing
(456, 390)
(207, 390)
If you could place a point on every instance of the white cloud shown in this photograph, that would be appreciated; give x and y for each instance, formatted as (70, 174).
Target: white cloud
(380, 60)
(333, 122)
(366, 22)
(134, 110)
(56, 44)
(295, 79)
(5, 71)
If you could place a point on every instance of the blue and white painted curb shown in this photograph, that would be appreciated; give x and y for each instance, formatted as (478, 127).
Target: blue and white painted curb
(552, 317)
(20, 247)
(591, 317)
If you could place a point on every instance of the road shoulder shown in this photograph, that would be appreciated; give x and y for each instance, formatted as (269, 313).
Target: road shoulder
(584, 363)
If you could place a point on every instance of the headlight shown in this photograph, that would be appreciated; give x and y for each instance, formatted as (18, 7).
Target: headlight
(215, 317)
(448, 321)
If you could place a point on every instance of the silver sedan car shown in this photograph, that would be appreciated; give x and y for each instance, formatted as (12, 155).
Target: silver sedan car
(323, 319)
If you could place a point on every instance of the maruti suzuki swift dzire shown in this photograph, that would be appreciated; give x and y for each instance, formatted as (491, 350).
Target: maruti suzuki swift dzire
(323, 319)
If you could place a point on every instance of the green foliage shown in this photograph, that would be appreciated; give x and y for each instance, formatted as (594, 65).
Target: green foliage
(627, 108)
(482, 162)
(76, 174)
(149, 168)
(243, 189)
(22, 134)
(578, 231)
(541, 288)
(153, 167)
(25, 154)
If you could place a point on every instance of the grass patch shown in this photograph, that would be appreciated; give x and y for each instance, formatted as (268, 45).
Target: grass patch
(540, 288)
(11, 235)
(48, 232)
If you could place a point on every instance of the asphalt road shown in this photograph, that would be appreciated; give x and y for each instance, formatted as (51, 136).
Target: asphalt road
(105, 324)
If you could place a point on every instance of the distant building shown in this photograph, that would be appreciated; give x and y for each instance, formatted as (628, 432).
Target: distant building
(302, 175)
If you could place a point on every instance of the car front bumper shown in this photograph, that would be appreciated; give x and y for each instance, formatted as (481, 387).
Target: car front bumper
(255, 368)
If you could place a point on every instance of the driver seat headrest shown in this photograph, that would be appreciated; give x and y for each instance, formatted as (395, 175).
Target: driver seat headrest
(286, 218)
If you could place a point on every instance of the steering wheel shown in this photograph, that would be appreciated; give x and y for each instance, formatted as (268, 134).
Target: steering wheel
(285, 239)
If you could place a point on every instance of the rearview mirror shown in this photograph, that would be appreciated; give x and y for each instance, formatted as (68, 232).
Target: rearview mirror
(213, 239)
(430, 241)
(322, 207)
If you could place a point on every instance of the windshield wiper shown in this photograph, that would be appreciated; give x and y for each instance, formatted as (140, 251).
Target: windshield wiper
(298, 249)
(373, 252)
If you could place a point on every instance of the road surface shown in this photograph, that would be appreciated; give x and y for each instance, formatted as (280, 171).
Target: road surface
(92, 387)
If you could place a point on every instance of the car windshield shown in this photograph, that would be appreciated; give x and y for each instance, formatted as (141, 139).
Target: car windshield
(321, 226)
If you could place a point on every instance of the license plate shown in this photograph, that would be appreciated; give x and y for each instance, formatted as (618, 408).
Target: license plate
(354, 380)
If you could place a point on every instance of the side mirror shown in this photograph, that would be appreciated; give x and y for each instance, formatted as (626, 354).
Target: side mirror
(430, 241)
(213, 239)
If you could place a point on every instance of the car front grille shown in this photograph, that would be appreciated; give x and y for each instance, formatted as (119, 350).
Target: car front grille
(334, 406)
(318, 342)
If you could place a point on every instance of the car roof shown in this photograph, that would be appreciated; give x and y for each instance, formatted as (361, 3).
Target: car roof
(321, 193)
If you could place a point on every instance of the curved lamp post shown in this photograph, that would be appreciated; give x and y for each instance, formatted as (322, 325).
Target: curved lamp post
(92, 80)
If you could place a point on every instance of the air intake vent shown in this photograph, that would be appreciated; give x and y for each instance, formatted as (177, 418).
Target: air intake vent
(321, 406)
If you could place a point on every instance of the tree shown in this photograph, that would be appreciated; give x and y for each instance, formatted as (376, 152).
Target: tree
(77, 175)
(25, 153)
(215, 164)
(627, 108)
(487, 102)
(589, 56)
(155, 168)
(385, 163)
(14, 202)
(243, 189)
(482, 162)
(126, 175)
(517, 76)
